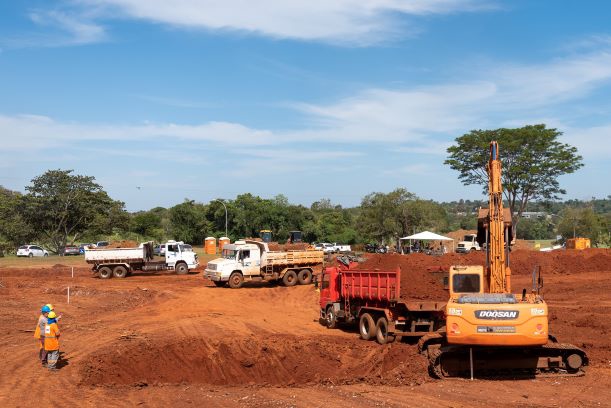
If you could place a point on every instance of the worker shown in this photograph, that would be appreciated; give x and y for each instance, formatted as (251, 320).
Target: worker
(51, 334)
(39, 334)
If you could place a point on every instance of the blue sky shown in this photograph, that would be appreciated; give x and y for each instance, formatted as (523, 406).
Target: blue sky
(202, 99)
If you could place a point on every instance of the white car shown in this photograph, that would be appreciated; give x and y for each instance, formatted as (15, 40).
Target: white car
(31, 251)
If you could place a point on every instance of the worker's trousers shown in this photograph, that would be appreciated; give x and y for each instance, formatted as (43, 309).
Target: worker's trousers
(52, 357)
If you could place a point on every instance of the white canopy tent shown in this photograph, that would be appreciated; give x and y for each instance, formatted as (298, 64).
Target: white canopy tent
(428, 236)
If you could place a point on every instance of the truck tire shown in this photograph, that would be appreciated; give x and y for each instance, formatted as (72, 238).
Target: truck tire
(236, 280)
(382, 331)
(330, 318)
(219, 284)
(367, 327)
(119, 271)
(181, 268)
(105, 272)
(304, 277)
(289, 278)
(472, 249)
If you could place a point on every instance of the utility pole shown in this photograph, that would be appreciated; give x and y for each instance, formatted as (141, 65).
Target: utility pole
(222, 202)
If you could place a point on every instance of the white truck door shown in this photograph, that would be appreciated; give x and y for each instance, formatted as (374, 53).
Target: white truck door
(172, 253)
(249, 258)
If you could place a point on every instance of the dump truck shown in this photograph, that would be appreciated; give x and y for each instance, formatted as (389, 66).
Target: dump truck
(468, 244)
(247, 260)
(121, 262)
(372, 298)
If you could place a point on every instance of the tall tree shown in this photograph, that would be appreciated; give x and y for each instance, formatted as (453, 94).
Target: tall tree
(62, 205)
(532, 160)
(14, 228)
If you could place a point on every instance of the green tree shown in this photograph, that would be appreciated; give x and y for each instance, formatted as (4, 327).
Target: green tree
(532, 160)
(583, 222)
(189, 223)
(61, 206)
(14, 228)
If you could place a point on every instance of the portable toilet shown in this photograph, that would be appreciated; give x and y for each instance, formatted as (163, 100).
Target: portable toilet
(210, 245)
(222, 242)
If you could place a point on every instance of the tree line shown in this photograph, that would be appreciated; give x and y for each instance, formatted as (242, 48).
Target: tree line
(60, 207)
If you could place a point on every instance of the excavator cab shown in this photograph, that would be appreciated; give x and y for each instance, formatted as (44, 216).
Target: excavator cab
(265, 235)
(294, 237)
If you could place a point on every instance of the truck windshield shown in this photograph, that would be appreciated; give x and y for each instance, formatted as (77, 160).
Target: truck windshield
(229, 254)
(468, 238)
(465, 283)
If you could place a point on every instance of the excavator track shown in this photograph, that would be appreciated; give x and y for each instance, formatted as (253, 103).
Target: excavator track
(550, 360)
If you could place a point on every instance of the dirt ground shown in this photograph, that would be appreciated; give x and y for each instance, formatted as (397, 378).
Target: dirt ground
(161, 340)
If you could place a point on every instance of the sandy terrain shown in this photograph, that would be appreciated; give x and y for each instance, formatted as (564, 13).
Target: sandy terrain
(160, 340)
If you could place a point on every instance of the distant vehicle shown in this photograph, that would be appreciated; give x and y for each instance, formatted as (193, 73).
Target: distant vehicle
(333, 248)
(468, 244)
(71, 250)
(31, 251)
(375, 248)
(101, 244)
(83, 247)
(162, 250)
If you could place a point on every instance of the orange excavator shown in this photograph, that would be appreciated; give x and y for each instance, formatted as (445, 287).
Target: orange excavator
(489, 329)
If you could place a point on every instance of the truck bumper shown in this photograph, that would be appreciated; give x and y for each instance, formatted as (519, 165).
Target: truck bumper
(212, 275)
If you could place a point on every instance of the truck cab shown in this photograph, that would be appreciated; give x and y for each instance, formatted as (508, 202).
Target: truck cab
(468, 244)
(238, 257)
(175, 253)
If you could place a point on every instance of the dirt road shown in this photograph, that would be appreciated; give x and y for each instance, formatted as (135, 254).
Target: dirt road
(164, 340)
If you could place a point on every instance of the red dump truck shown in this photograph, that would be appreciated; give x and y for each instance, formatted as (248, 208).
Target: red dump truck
(372, 298)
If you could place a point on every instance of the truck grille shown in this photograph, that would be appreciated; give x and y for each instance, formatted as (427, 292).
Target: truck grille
(211, 267)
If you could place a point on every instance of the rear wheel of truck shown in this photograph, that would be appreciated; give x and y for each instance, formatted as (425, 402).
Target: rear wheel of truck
(182, 269)
(289, 278)
(305, 277)
(219, 284)
(367, 327)
(331, 318)
(382, 331)
(105, 272)
(236, 280)
(119, 271)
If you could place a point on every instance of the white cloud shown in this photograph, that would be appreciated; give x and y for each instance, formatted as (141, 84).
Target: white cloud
(359, 22)
(60, 29)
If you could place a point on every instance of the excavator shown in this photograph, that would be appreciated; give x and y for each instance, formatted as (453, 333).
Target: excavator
(491, 331)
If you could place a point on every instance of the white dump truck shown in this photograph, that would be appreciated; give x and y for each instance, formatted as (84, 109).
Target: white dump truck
(468, 244)
(253, 261)
(121, 262)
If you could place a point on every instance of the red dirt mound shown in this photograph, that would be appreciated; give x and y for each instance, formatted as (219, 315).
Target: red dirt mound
(273, 360)
(418, 280)
(123, 244)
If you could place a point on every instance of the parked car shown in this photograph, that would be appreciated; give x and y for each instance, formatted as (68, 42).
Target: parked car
(157, 249)
(101, 244)
(31, 251)
(375, 248)
(71, 250)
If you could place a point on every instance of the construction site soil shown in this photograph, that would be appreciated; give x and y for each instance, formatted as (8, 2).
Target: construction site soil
(168, 340)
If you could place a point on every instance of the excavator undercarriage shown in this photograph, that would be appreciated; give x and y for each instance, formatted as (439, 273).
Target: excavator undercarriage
(552, 359)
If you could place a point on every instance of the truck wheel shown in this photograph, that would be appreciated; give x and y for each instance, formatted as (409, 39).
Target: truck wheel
(182, 269)
(120, 271)
(219, 284)
(236, 280)
(105, 272)
(367, 327)
(289, 278)
(382, 331)
(305, 277)
(331, 318)
(472, 250)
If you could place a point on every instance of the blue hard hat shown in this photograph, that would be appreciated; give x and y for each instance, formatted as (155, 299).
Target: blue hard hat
(45, 309)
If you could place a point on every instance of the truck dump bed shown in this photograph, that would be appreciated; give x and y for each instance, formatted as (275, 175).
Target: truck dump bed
(371, 285)
(292, 258)
(119, 255)
(382, 286)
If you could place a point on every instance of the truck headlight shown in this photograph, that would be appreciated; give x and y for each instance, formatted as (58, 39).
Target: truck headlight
(454, 311)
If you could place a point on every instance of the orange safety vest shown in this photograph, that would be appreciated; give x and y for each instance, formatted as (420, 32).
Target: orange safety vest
(51, 337)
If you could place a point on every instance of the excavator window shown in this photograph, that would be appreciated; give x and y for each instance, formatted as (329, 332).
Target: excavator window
(466, 283)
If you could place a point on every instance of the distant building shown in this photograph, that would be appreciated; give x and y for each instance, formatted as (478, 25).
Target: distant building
(534, 214)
